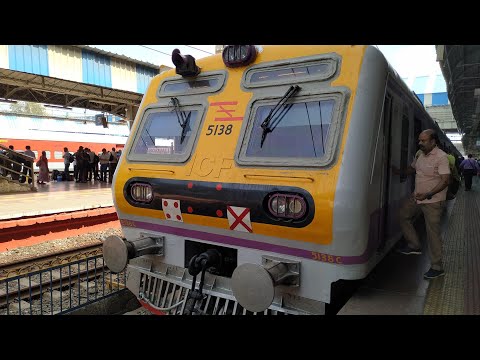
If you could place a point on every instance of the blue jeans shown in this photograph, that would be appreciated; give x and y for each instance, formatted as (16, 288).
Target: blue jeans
(67, 172)
(103, 172)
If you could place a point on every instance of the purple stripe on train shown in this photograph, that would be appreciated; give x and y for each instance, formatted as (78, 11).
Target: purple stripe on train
(230, 240)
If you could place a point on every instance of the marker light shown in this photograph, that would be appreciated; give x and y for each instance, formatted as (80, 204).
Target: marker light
(239, 55)
(141, 192)
(287, 206)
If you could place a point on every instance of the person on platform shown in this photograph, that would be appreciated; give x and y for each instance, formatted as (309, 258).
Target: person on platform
(469, 168)
(432, 177)
(42, 164)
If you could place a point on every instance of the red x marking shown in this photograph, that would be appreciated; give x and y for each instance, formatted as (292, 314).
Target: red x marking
(239, 219)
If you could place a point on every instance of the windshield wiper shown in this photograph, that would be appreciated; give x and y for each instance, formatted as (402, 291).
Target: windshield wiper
(182, 120)
(266, 123)
(184, 127)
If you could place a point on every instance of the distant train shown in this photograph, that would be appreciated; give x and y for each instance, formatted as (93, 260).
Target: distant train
(53, 134)
(256, 179)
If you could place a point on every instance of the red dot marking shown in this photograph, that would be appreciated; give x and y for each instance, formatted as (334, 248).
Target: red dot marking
(178, 217)
(219, 213)
(168, 216)
(190, 185)
(218, 187)
(190, 209)
(165, 203)
(175, 204)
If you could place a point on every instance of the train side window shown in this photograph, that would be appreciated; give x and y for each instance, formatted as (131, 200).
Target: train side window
(318, 68)
(209, 83)
(301, 135)
(404, 145)
(48, 154)
(58, 155)
(160, 135)
(36, 153)
(182, 87)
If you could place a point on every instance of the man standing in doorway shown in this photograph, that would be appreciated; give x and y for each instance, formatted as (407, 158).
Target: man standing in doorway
(432, 176)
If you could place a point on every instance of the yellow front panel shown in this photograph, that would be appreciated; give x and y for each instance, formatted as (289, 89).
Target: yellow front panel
(213, 156)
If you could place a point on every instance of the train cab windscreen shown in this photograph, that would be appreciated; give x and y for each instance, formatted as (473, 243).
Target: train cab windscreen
(166, 135)
(301, 130)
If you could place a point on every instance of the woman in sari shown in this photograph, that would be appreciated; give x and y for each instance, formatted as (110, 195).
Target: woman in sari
(42, 163)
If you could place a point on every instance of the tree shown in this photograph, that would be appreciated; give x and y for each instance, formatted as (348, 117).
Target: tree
(25, 107)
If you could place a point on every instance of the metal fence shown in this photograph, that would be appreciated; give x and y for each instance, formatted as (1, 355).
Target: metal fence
(60, 289)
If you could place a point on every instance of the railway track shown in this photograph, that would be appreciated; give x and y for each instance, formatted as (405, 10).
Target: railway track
(46, 261)
(56, 282)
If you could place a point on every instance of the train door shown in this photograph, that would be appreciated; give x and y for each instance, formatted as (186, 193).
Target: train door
(386, 170)
(396, 152)
(417, 129)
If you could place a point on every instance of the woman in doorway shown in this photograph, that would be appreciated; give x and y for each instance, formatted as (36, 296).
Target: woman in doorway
(42, 163)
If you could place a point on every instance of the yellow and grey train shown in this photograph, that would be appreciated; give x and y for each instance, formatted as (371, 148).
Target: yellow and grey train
(256, 178)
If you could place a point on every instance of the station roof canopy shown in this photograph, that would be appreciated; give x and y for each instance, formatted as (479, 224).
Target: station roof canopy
(20, 85)
(23, 86)
(460, 65)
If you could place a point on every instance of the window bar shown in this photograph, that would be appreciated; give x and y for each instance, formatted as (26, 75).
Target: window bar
(70, 284)
(30, 292)
(95, 272)
(103, 277)
(61, 289)
(88, 277)
(152, 298)
(41, 292)
(78, 278)
(110, 281)
(161, 292)
(51, 293)
(19, 297)
(8, 307)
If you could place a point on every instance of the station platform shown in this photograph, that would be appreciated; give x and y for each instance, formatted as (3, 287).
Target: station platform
(56, 197)
(397, 287)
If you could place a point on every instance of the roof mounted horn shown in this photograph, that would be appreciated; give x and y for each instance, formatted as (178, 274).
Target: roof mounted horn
(184, 64)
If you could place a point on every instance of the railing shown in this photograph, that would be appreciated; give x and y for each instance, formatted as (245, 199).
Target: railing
(60, 289)
(10, 165)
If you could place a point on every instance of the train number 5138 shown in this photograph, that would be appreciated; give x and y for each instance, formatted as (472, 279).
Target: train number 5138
(219, 129)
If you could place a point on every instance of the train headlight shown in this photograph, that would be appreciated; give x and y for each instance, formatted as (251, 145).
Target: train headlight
(277, 205)
(295, 206)
(287, 206)
(141, 192)
(239, 55)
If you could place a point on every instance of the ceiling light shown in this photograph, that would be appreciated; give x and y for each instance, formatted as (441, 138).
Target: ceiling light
(8, 101)
(103, 102)
(59, 107)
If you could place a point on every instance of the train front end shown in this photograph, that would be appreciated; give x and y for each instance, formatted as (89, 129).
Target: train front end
(226, 186)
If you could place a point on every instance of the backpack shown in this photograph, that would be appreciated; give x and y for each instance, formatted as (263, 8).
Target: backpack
(71, 158)
(55, 174)
(111, 157)
(96, 159)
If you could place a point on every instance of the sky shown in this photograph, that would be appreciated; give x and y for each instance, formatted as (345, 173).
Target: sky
(412, 60)
(158, 54)
(408, 60)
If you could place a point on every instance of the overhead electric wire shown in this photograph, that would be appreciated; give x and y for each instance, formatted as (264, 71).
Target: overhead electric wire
(205, 51)
(161, 52)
